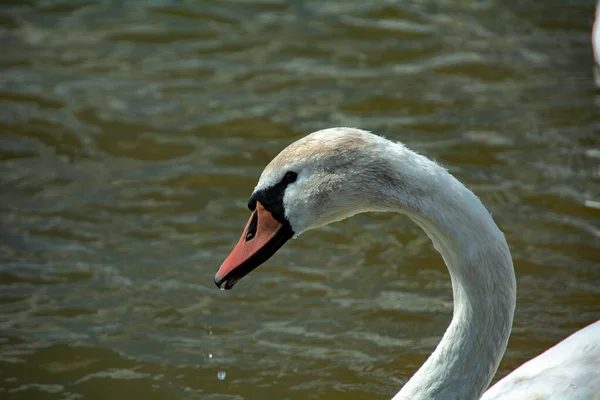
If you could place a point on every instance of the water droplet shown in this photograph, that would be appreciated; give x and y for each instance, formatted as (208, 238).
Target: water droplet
(221, 375)
(209, 355)
(222, 287)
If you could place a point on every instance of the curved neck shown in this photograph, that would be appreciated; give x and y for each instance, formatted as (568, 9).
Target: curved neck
(483, 283)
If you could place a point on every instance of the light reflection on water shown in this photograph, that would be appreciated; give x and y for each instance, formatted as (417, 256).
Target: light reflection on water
(134, 132)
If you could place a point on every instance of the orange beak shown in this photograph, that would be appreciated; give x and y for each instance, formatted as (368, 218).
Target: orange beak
(261, 238)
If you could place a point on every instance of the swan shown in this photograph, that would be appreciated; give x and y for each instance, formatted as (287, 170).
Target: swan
(596, 44)
(335, 173)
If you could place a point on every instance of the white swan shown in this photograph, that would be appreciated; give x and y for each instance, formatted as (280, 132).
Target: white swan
(335, 173)
(596, 44)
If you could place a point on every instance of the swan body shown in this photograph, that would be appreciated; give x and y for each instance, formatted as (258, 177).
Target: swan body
(596, 35)
(335, 173)
(596, 44)
(569, 370)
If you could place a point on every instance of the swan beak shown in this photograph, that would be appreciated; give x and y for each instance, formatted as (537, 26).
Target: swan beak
(261, 238)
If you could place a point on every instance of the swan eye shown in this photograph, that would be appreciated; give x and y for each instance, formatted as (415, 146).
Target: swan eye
(290, 177)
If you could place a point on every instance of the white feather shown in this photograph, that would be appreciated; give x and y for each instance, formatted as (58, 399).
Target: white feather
(596, 44)
(596, 35)
(345, 171)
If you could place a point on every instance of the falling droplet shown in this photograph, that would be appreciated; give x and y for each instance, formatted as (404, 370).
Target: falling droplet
(221, 375)
(209, 355)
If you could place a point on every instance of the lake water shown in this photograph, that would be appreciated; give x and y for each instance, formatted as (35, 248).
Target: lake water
(133, 133)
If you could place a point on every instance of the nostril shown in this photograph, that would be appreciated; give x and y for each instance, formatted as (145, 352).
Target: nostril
(251, 232)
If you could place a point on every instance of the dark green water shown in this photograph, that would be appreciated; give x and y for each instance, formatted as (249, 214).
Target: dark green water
(132, 134)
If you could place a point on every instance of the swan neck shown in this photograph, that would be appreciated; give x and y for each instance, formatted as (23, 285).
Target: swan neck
(483, 284)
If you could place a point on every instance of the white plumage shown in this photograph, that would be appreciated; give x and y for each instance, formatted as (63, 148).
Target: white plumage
(568, 371)
(596, 44)
(596, 35)
(345, 171)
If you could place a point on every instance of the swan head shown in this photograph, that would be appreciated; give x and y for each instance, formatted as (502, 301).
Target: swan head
(322, 178)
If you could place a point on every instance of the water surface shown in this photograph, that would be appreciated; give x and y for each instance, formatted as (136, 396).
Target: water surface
(132, 134)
